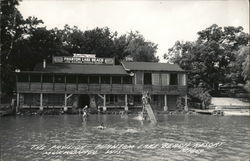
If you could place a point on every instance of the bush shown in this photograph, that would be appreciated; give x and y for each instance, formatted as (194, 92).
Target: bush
(200, 94)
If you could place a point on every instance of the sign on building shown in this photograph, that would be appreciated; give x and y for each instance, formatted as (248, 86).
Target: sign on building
(129, 58)
(83, 60)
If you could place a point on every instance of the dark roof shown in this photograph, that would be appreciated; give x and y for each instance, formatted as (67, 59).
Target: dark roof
(81, 69)
(151, 66)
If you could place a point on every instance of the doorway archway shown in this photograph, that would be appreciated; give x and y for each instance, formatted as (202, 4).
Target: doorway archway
(83, 100)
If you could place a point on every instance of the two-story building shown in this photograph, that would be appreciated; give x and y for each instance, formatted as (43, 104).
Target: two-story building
(73, 83)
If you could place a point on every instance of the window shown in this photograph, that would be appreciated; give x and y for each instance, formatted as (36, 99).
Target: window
(156, 79)
(111, 99)
(23, 78)
(35, 78)
(116, 80)
(173, 79)
(59, 78)
(165, 79)
(47, 78)
(138, 77)
(182, 79)
(83, 79)
(71, 78)
(94, 79)
(105, 79)
(127, 80)
(147, 78)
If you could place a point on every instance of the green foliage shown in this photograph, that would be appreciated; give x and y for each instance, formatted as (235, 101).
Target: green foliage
(104, 43)
(98, 41)
(140, 49)
(243, 61)
(211, 59)
(201, 94)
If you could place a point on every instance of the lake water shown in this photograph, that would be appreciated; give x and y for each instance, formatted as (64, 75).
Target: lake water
(175, 137)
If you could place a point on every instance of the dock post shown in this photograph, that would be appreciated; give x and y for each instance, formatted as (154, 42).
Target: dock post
(186, 104)
(104, 103)
(165, 103)
(65, 102)
(126, 102)
(41, 102)
(17, 102)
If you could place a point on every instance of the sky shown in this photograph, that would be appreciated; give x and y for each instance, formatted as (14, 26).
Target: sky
(161, 22)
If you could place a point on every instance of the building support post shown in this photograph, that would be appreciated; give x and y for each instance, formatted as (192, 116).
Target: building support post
(17, 102)
(41, 102)
(104, 103)
(165, 103)
(65, 102)
(186, 104)
(126, 102)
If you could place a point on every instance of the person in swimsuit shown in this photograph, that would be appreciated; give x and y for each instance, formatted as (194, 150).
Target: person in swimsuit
(101, 127)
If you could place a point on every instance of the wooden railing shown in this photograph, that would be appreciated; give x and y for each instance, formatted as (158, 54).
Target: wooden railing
(97, 88)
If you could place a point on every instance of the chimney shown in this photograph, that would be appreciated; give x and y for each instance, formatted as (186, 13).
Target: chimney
(44, 63)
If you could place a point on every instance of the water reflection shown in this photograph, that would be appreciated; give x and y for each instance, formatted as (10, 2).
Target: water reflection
(19, 134)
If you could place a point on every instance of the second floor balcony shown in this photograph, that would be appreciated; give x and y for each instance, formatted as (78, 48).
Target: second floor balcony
(36, 87)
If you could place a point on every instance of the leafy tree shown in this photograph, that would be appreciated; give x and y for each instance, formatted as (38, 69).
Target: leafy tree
(104, 43)
(241, 65)
(201, 94)
(120, 45)
(14, 31)
(243, 61)
(11, 19)
(209, 59)
(140, 49)
(40, 44)
(98, 41)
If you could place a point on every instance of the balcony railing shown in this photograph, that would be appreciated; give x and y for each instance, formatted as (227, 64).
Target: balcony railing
(96, 88)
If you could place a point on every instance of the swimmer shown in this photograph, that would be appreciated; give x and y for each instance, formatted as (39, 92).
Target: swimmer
(84, 112)
(84, 115)
(124, 114)
(101, 127)
(140, 117)
(85, 107)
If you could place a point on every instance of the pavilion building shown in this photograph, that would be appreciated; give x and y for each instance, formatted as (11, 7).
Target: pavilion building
(73, 82)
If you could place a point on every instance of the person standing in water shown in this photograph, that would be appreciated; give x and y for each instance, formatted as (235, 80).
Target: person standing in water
(84, 112)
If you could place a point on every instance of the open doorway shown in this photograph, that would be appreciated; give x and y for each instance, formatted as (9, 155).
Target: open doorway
(83, 100)
(172, 100)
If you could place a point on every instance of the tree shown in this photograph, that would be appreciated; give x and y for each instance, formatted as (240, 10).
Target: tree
(14, 32)
(241, 65)
(140, 49)
(120, 45)
(209, 59)
(98, 41)
(40, 44)
(104, 43)
(11, 19)
(201, 94)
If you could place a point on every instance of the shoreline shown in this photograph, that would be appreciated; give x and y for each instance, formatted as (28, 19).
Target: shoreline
(170, 113)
